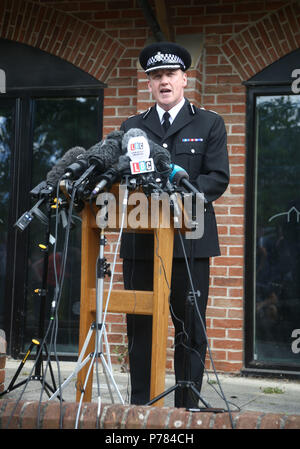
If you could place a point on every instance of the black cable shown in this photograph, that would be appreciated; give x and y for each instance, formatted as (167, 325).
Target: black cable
(204, 330)
(58, 292)
(221, 394)
(39, 354)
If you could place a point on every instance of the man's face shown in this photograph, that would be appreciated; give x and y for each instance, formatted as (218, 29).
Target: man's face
(167, 87)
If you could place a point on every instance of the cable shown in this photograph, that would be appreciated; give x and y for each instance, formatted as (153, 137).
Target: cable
(58, 292)
(204, 330)
(99, 335)
(42, 344)
(222, 395)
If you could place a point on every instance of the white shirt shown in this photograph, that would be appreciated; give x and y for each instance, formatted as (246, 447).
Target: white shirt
(173, 112)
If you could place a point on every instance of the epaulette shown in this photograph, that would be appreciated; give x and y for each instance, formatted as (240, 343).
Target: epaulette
(209, 110)
(192, 109)
(147, 112)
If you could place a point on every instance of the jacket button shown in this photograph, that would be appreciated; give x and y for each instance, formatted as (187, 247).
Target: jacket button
(165, 145)
(192, 150)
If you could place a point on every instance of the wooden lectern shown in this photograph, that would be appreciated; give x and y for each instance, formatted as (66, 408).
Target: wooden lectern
(155, 303)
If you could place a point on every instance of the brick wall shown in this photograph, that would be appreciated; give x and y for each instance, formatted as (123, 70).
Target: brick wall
(32, 415)
(240, 39)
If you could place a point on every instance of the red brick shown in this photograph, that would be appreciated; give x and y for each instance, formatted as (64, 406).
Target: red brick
(29, 416)
(248, 420)
(292, 422)
(157, 418)
(178, 419)
(113, 416)
(136, 417)
(89, 418)
(271, 421)
(69, 415)
(201, 420)
(9, 418)
(50, 415)
(223, 421)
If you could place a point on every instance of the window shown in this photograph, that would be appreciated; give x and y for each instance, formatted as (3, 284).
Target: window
(59, 124)
(272, 307)
(43, 114)
(7, 112)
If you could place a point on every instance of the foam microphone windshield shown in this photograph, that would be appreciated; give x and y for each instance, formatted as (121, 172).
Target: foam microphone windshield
(105, 153)
(132, 133)
(58, 170)
(161, 156)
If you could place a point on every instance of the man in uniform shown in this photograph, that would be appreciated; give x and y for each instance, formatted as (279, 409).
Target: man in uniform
(197, 141)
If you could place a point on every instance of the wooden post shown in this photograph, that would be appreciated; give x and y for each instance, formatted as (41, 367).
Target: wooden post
(155, 303)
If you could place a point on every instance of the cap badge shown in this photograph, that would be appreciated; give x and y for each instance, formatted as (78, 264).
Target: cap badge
(167, 58)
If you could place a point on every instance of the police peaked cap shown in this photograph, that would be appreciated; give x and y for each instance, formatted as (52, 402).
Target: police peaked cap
(164, 55)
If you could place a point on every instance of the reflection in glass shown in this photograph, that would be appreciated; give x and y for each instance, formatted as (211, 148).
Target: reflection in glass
(59, 125)
(277, 264)
(6, 120)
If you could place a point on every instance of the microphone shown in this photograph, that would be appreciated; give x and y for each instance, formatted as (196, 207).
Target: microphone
(56, 173)
(102, 155)
(162, 159)
(76, 169)
(140, 149)
(180, 177)
(112, 175)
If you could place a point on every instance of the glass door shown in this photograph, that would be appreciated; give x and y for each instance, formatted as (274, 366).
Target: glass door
(59, 124)
(7, 114)
(277, 227)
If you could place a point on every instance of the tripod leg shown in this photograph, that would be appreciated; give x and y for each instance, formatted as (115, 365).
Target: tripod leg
(50, 369)
(12, 385)
(108, 372)
(196, 392)
(162, 395)
(80, 364)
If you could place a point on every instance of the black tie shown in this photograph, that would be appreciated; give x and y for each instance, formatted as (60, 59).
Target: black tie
(166, 123)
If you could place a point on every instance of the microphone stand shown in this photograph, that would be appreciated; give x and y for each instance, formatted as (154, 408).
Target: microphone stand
(188, 386)
(39, 370)
(98, 327)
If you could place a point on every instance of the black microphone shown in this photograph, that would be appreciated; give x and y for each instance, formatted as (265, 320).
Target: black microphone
(103, 155)
(113, 175)
(47, 188)
(76, 169)
(180, 177)
(162, 159)
(56, 173)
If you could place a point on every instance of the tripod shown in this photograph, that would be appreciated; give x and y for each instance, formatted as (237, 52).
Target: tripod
(102, 268)
(39, 369)
(188, 387)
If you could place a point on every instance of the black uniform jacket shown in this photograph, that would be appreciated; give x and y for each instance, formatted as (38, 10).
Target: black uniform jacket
(206, 161)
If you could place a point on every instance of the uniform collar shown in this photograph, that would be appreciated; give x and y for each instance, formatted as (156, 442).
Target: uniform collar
(173, 112)
(151, 121)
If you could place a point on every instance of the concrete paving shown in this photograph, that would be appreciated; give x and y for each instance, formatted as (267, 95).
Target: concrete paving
(241, 393)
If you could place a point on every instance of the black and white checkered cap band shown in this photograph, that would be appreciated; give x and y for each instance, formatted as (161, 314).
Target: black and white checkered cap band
(161, 60)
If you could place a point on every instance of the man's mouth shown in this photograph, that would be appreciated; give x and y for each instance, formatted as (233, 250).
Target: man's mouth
(165, 91)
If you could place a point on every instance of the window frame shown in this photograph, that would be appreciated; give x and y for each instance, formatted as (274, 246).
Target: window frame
(21, 169)
(252, 366)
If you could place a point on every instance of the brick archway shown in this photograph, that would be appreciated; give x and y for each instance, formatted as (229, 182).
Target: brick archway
(264, 42)
(61, 35)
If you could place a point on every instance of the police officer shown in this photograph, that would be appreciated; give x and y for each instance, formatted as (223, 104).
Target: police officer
(197, 141)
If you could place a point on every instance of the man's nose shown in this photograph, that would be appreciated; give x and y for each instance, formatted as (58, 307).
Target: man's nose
(164, 79)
